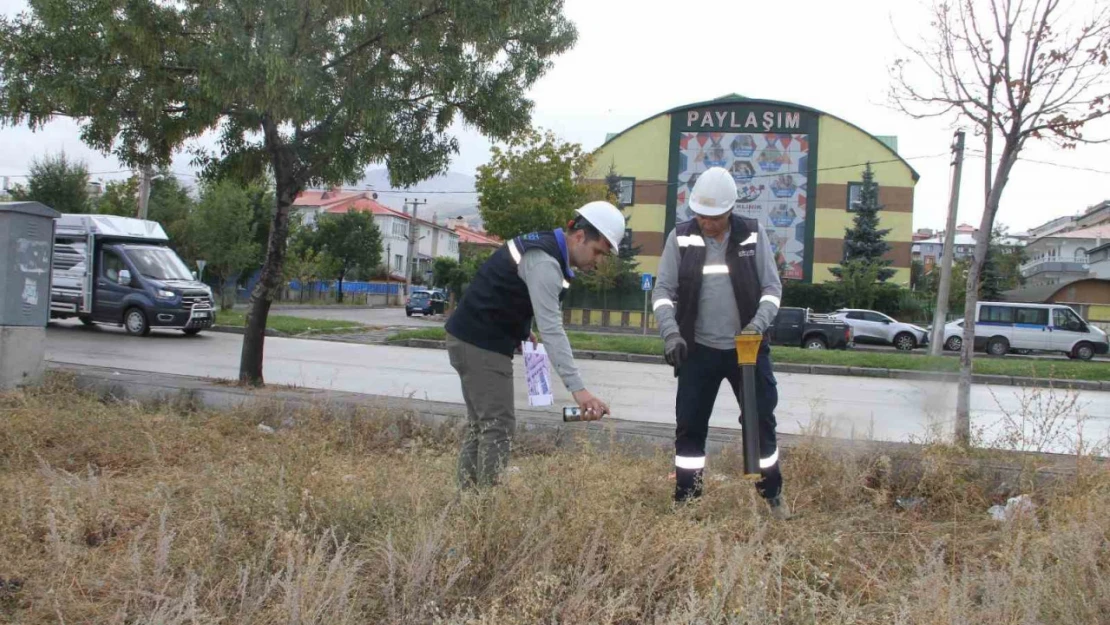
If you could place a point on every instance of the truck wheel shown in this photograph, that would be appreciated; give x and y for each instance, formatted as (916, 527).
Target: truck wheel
(954, 344)
(815, 342)
(134, 321)
(998, 346)
(87, 320)
(905, 342)
(1084, 351)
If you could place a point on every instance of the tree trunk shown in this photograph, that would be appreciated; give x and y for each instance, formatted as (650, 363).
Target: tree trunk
(982, 242)
(288, 185)
(339, 289)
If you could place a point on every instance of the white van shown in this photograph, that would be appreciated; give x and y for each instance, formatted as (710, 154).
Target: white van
(1003, 326)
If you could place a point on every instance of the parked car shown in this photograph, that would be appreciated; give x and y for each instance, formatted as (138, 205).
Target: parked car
(799, 327)
(425, 302)
(875, 328)
(122, 271)
(1005, 327)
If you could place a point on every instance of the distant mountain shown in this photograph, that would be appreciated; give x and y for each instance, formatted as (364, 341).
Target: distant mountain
(449, 195)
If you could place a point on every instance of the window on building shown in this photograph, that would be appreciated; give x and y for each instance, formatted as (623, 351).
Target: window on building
(398, 262)
(399, 228)
(854, 189)
(628, 191)
(452, 245)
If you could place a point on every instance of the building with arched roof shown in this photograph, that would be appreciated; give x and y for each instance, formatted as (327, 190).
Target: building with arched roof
(798, 171)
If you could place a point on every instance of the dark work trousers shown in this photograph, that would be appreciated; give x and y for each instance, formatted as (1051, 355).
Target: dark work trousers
(699, 380)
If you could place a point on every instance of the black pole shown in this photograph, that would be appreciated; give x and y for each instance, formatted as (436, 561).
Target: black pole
(749, 419)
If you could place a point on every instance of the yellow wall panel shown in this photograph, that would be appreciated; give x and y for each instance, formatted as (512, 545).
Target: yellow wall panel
(648, 264)
(832, 222)
(642, 152)
(839, 144)
(646, 217)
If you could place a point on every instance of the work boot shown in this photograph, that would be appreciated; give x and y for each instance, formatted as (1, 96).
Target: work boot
(780, 510)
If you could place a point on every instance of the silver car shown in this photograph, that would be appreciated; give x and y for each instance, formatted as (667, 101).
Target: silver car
(875, 328)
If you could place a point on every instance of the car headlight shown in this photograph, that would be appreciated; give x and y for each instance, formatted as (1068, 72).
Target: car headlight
(164, 294)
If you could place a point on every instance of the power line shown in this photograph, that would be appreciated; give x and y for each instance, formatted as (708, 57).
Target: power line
(981, 154)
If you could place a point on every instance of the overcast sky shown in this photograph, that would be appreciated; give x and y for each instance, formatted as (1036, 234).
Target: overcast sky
(636, 58)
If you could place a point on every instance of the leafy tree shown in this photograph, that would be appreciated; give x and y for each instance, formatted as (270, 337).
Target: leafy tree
(313, 91)
(170, 204)
(449, 273)
(857, 282)
(221, 224)
(534, 183)
(865, 241)
(120, 198)
(57, 182)
(351, 241)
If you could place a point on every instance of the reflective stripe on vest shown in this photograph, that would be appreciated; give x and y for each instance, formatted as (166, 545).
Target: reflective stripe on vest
(771, 298)
(693, 239)
(661, 303)
(752, 239)
(514, 251)
(714, 269)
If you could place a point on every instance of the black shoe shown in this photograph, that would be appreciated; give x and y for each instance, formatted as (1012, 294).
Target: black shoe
(780, 511)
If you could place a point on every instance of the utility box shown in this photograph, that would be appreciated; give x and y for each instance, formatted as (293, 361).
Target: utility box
(26, 249)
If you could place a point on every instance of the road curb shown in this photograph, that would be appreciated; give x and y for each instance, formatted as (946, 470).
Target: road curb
(241, 331)
(834, 370)
(635, 437)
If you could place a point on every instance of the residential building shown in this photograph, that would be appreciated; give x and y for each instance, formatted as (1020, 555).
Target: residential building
(1096, 215)
(434, 240)
(473, 237)
(1062, 256)
(798, 171)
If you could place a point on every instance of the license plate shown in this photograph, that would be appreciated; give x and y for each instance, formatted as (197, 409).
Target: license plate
(201, 315)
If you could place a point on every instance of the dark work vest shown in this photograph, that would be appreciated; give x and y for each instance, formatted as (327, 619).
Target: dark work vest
(496, 311)
(742, 271)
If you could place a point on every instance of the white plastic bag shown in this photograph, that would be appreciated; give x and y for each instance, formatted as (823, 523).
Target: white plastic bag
(537, 373)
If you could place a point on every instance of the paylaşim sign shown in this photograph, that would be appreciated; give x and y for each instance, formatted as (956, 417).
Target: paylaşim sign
(747, 119)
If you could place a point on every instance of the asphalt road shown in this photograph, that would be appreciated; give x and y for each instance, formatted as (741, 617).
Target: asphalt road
(881, 409)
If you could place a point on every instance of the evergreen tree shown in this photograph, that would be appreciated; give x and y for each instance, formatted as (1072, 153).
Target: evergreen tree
(865, 241)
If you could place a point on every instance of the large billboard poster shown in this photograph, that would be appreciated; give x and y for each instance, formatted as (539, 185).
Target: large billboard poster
(771, 170)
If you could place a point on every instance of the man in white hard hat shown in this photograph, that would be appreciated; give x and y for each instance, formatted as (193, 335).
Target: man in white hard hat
(525, 278)
(717, 277)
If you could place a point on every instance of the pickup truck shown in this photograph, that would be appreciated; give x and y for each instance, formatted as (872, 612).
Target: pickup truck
(798, 327)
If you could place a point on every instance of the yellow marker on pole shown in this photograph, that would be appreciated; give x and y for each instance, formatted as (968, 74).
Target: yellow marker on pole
(747, 351)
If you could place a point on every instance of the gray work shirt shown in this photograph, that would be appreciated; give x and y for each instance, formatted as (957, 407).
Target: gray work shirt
(544, 277)
(718, 320)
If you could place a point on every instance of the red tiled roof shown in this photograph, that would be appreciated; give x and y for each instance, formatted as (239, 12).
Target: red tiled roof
(327, 198)
(368, 205)
(466, 235)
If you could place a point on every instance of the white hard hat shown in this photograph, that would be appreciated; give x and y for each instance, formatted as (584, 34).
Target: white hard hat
(714, 193)
(607, 219)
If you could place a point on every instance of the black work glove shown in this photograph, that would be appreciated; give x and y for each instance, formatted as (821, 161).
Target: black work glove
(674, 350)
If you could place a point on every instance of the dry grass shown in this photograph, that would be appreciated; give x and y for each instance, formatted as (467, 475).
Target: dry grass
(121, 513)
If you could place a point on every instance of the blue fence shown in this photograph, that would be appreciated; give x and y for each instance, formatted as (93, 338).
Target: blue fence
(352, 287)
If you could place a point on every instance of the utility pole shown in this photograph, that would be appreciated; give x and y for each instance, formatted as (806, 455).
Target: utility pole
(940, 315)
(388, 270)
(145, 177)
(414, 230)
